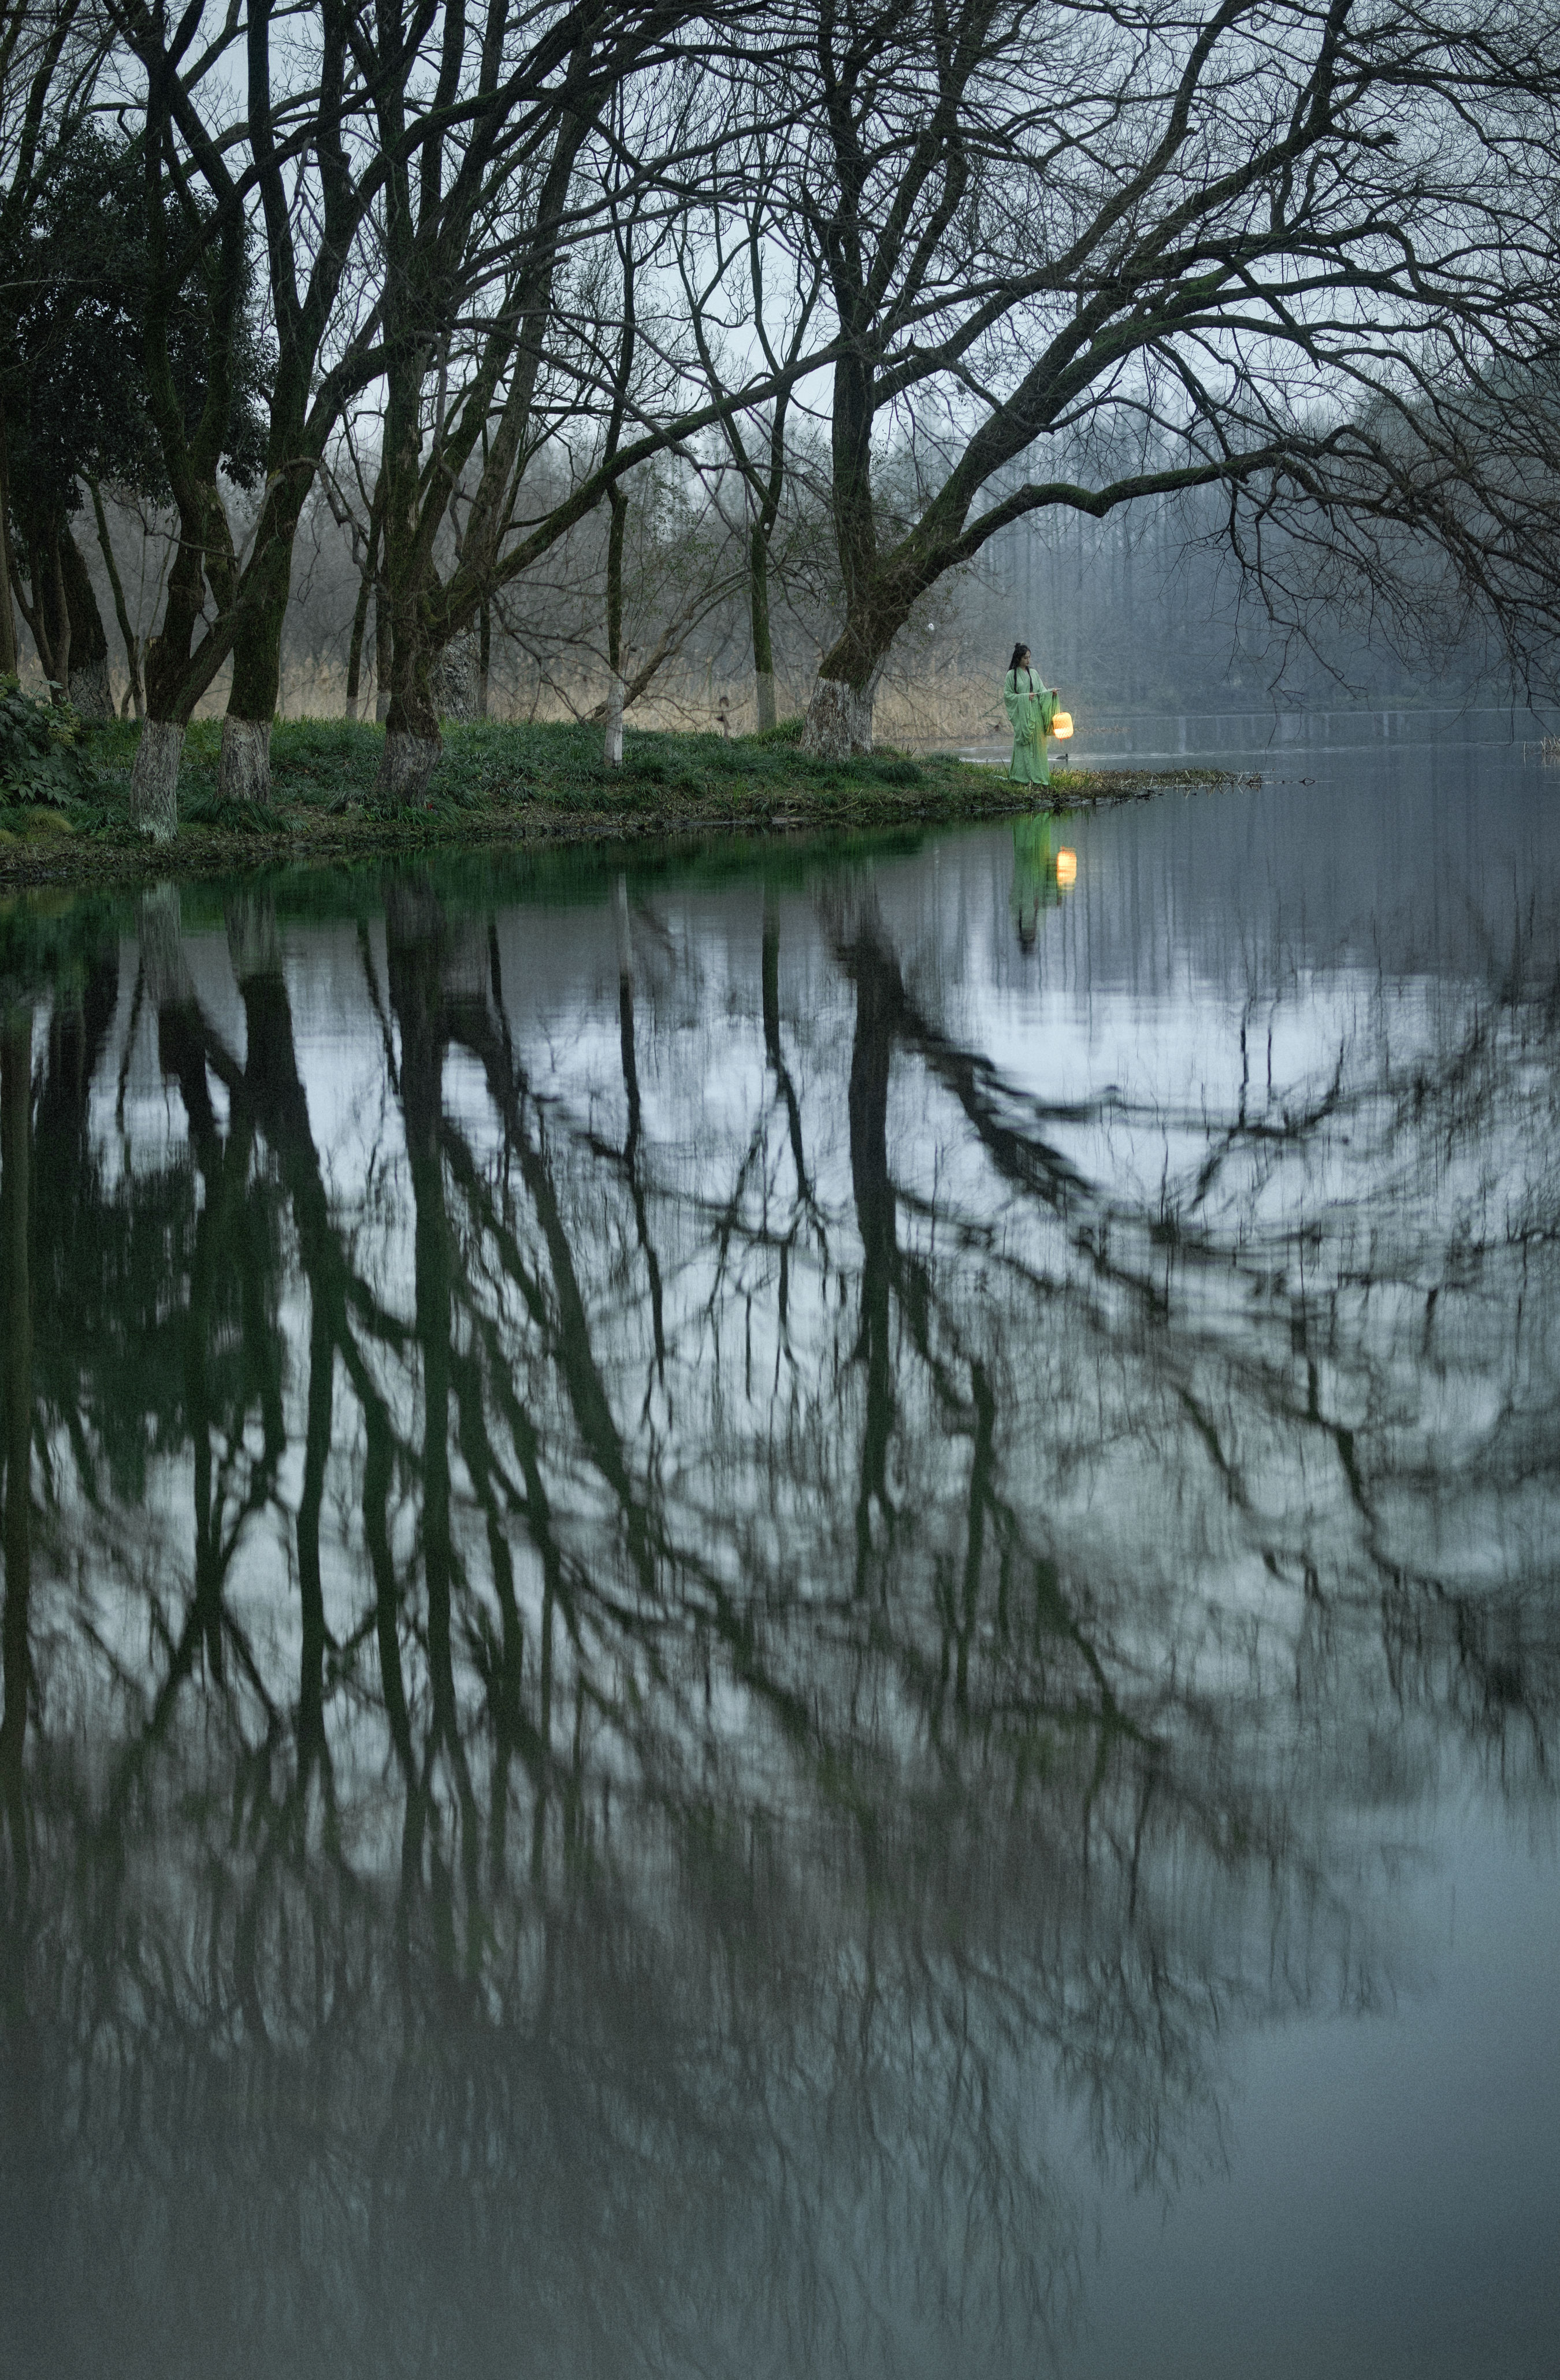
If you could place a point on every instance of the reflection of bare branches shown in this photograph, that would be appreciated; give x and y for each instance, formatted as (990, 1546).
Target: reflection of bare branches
(631, 1899)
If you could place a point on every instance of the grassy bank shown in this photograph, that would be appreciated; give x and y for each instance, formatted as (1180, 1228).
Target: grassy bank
(507, 784)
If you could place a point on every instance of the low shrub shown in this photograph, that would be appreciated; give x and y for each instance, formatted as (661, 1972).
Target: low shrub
(40, 760)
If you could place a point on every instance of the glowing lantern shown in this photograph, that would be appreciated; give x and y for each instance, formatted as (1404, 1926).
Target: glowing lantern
(1061, 725)
(1067, 868)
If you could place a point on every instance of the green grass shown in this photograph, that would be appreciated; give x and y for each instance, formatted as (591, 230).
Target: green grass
(507, 784)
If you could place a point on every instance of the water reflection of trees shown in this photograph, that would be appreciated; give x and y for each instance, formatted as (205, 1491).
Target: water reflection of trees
(614, 1734)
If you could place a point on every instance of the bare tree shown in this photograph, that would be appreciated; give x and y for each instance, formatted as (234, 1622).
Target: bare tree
(759, 448)
(1290, 253)
(50, 57)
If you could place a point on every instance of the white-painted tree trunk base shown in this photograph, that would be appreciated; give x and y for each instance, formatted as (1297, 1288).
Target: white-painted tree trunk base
(612, 746)
(765, 682)
(382, 705)
(154, 778)
(839, 721)
(91, 696)
(244, 772)
(408, 763)
(352, 706)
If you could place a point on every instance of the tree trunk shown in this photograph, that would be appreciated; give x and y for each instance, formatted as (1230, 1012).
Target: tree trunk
(484, 659)
(613, 747)
(408, 763)
(173, 688)
(155, 779)
(840, 714)
(135, 695)
(411, 737)
(612, 742)
(244, 773)
(383, 654)
(87, 676)
(355, 650)
(453, 678)
(92, 696)
(758, 602)
(9, 655)
(366, 585)
(16, 1139)
(840, 720)
(58, 606)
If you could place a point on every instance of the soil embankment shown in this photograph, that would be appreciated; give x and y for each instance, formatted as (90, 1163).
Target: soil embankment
(505, 784)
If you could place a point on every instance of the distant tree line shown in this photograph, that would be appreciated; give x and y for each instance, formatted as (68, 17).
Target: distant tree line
(832, 295)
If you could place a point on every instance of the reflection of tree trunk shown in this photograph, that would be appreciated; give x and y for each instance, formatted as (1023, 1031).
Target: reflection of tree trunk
(413, 937)
(159, 931)
(503, 1680)
(255, 949)
(982, 1472)
(205, 1266)
(29, 2130)
(770, 971)
(876, 1003)
(631, 1093)
(415, 994)
(588, 1396)
(280, 1110)
(78, 1031)
(311, 1598)
(885, 1012)
(229, 1248)
(15, 1123)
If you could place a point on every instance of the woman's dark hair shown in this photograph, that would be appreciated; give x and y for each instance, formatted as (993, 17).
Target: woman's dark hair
(1018, 651)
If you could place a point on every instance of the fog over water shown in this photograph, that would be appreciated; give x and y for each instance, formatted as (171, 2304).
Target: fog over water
(793, 1609)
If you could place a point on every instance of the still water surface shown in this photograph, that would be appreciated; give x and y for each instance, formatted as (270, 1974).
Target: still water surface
(795, 1613)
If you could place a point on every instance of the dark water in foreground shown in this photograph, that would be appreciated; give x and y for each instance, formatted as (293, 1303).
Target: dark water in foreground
(793, 1614)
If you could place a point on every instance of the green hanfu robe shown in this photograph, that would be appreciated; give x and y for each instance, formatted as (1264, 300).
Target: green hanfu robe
(1030, 708)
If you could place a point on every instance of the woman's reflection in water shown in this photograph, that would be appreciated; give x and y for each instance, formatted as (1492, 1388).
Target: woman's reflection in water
(1041, 876)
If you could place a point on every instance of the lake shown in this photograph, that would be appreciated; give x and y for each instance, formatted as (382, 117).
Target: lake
(793, 1608)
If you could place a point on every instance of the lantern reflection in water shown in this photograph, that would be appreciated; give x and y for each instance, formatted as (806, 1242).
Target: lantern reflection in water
(1041, 876)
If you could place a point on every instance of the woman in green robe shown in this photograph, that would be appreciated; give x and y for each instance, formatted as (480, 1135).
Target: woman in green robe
(1030, 709)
